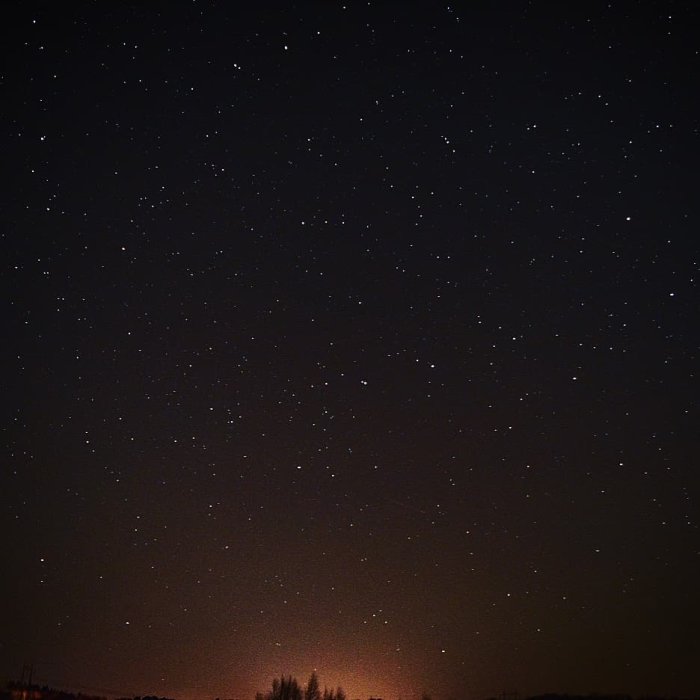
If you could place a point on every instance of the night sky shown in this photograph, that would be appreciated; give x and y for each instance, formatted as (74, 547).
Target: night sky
(353, 338)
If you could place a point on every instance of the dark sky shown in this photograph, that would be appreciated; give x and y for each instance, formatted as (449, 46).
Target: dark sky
(359, 338)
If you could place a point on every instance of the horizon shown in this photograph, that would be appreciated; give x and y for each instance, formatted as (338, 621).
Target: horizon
(76, 690)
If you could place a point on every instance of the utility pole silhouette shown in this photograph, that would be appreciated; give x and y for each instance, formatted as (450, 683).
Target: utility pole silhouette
(25, 683)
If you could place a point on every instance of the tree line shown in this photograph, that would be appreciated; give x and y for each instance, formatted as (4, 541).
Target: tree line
(288, 688)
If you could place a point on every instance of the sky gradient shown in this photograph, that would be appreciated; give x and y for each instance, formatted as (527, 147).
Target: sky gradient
(360, 338)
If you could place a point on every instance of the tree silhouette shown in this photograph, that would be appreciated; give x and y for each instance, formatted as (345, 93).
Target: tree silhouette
(312, 691)
(285, 689)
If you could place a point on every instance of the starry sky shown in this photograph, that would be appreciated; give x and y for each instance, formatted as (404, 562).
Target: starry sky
(360, 338)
